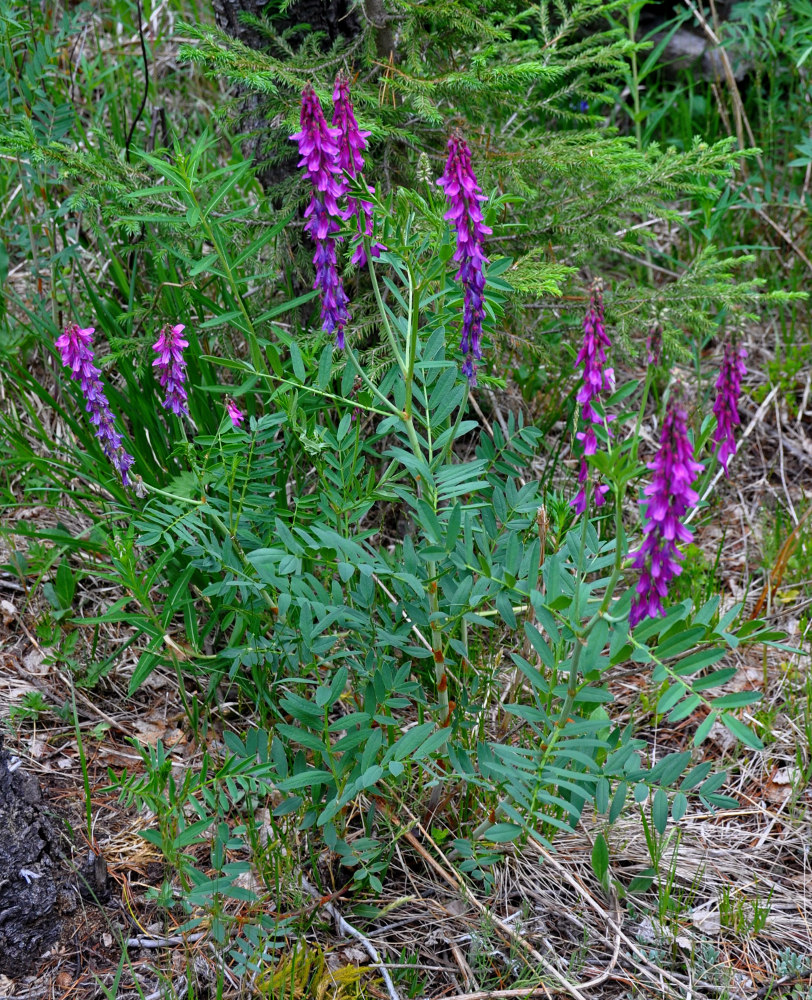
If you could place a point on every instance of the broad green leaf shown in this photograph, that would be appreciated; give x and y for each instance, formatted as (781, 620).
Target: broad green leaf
(741, 731)
(679, 807)
(600, 856)
(705, 727)
(659, 811)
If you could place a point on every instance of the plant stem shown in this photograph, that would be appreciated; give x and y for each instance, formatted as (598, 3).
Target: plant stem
(412, 327)
(635, 88)
(82, 761)
(368, 382)
(382, 309)
(460, 413)
(440, 673)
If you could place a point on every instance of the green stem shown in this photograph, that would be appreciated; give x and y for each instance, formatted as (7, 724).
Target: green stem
(257, 359)
(325, 394)
(642, 411)
(382, 309)
(638, 129)
(82, 761)
(440, 673)
(460, 412)
(412, 327)
(368, 382)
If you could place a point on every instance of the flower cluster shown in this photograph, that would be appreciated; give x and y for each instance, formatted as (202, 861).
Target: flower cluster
(726, 407)
(171, 367)
(464, 198)
(670, 495)
(76, 347)
(335, 312)
(351, 146)
(319, 151)
(596, 379)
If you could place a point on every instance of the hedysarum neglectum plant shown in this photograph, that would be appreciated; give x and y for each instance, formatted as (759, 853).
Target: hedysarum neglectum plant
(726, 405)
(670, 495)
(172, 367)
(597, 378)
(319, 151)
(75, 346)
(465, 198)
(351, 146)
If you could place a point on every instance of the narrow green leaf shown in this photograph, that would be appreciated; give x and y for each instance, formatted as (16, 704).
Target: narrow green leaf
(702, 732)
(741, 731)
(659, 811)
(600, 856)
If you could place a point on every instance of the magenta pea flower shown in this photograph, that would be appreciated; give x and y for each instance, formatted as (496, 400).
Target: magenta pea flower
(351, 146)
(320, 158)
(670, 495)
(76, 348)
(235, 413)
(597, 378)
(726, 406)
(172, 368)
(464, 198)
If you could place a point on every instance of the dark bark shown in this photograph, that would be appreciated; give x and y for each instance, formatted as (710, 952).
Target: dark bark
(333, 18)
(38, 885)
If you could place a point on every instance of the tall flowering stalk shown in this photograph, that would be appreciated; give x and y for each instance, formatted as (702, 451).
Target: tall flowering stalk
(464, 198)
(76, 347)
(319, 151)
(351, 146)
(726, 406)
(670, 496)
(596, 379)
(172, 368)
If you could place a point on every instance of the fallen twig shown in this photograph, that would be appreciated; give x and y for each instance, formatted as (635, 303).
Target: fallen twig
(347, 928)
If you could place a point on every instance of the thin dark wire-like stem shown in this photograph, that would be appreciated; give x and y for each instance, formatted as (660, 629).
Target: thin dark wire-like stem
(146, 81)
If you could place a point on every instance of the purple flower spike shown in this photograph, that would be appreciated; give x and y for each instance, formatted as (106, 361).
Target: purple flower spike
(319, 149)
(670, 496)
(76, 348)
(726, 407)
(172, 368)
(352, 140)
(597, 378)
(464, 198)
(335, 311)
(351, 146)
(235, 413)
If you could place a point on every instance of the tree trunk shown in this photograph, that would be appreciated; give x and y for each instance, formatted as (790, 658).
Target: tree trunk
(332, 17)
(39, 888)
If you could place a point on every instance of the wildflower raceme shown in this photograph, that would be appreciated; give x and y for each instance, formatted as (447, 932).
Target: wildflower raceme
(596, 379)
(726, 407)
(464, 198)
(351, 146)
(318, 148)
(76, 347)
(171, 367)
(670, 495)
